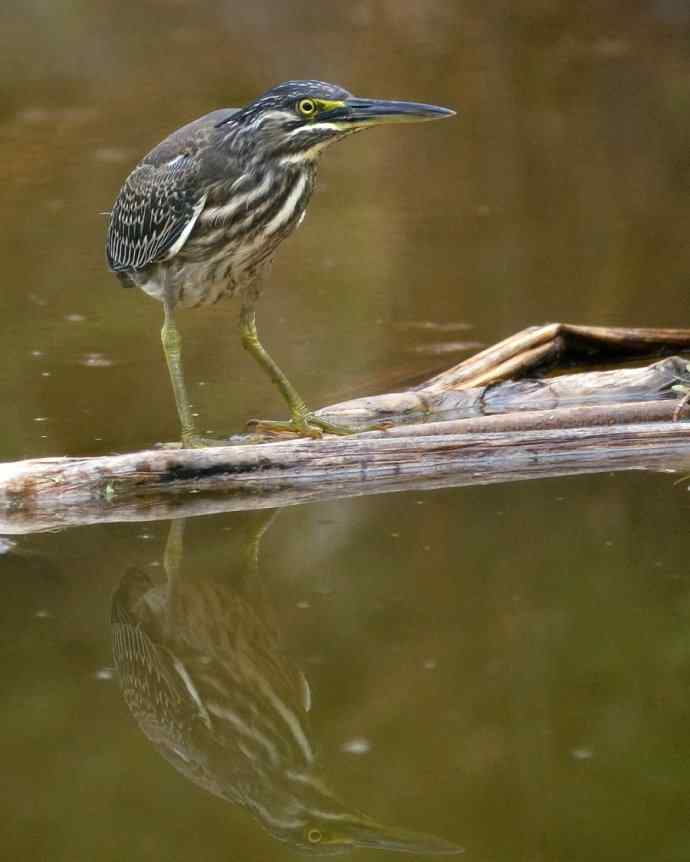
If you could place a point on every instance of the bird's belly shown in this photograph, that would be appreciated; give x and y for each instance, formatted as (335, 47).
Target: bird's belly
(212, 267)
(190, 283)
(233, 267)
(197, 289)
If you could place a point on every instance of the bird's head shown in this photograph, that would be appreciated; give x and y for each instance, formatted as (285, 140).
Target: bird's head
(321, 838)
(297, 119)
(304, 813)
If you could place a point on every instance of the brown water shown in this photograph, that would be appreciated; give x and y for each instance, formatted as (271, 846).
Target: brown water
(507, 667)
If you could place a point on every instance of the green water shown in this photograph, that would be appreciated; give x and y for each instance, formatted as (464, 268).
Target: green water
(505, 667)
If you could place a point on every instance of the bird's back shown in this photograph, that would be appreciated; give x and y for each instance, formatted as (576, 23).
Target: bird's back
(200, 132)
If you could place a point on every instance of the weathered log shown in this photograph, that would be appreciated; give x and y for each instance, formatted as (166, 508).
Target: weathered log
(467, 388)
(493, 432)
(53, 493)
(589, 388)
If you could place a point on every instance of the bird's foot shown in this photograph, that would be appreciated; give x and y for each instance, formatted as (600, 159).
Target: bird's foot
(194, 441)
(309, 425)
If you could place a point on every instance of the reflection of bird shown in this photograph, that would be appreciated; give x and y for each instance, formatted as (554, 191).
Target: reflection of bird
(202, 215)
(205, 675)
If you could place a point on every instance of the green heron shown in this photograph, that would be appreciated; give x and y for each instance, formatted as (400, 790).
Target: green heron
(202, 214)
(206, 675)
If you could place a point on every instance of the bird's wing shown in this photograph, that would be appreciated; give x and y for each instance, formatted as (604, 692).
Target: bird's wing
(153, 214)
(156, 685)
(160, 200)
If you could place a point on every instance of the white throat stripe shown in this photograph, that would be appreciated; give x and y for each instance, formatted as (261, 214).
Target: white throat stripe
(289, 206)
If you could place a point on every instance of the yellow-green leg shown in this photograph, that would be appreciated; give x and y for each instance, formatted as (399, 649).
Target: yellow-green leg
(174, 549)
(172, 349)
(303, 421)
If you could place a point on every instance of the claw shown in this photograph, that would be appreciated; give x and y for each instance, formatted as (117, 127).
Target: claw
(293, 428)
(196, 441)
(308, 425)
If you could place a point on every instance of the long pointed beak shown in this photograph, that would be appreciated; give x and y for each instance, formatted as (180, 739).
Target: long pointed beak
(357, 113)
(369, 833)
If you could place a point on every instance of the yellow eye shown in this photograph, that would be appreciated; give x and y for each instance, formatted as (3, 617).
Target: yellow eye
(314, 836)
(307, 108)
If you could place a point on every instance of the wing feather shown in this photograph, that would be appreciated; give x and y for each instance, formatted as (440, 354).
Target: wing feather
(153, 214)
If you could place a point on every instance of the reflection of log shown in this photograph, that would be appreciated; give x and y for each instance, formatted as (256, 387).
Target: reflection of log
(473, 430)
